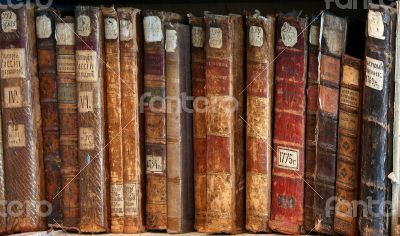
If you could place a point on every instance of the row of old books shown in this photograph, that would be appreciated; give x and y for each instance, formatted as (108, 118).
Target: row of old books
(126, 121)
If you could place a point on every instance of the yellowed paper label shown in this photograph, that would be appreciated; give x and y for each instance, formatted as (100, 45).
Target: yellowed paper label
(376, 27)
(314, 35)
(152, 29)
(350, 75)
(43, 27)
(374, 71)
(65, 63)
(65, 33)
(256, 36)
(171, 38)
(86, 138)
(8, 21)
(288, 35)
(125, 30)
(349, 97)
(131, 199)
(83, 27)
(85, 101)
(215, 40)
(86, 69)
(288, 158)
(348, 121)
(13, 97)
(111, 28)
(117, 199)
(154, 163)
(16, 135)
(13, 64)
(197, 37)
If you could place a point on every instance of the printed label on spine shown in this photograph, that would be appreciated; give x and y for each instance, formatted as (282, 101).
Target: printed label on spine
(117, 199)
(85, 101)
(12, 97)
(374, 73)
(288, 35)
(86, 138)
(256, 36)
(65, 64)
(197, 37)
(111, 28)
(83, 27)
(375, 25)
(86, 66)
(215, 40)
(154, 163)
(131, 199)
(65, 34)
(13, 63)
(43, 27)
(16, 135)
(152, 29)
(8, 21)
(288, 158)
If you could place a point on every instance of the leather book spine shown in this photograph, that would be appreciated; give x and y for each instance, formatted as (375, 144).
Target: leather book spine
(311, 122)
(289, 125)
(347, 166)
(130, 26)
(3, 207)
(46, 56)
(332, 45)
(94, 175)
(114, 122)
(377, 121)
(225, 124)
(180, 204)
(155, 117)
(199, 120)
(23, 155)
(68, 117)
(260, 96)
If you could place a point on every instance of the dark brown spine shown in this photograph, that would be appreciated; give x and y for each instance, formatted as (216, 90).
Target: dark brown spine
(377, 121)
(155, 117)
(94, 195)
(260, 98)
(68, 111)
(21, 120)
(311, 122)
(3, 207)
(347, 173)
(199, 120)
(47, 63)
(332, 45)
(130, 24)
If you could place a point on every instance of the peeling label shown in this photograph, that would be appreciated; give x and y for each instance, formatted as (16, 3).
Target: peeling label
(256, 36)
(111, 28)
(8, 21)
(197, 37)
(65, 34)
(289, 35)
(375, 25)
(374, 73)
(125, 30)
(83, 26)
(43, 27)
(215, 40)
(288, 158)
(171, 38)
(152, 29)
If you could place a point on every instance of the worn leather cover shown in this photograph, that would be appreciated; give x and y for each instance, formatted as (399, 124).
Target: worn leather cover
(199, 119)
(180, 204)
(68, 118)
(347, 170)
(332, 46)
(311, 122)
(260, 96)
(377, 121)
(3, 207)
(46, 53)
(225, 124)
(94, 195)
(130, 25)
(23, 155)
(289, 125)
(155, 117)
(114, 125)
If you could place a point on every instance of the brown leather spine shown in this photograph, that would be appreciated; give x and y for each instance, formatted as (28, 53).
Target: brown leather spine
(345, 221)
(68, 112)
(155, 117)
(199, 119)
(3, 207)
(260, 94)
(114, 125)
(311, 122)
(332, 46)
(180, 204)
(94, 196)
(225, 126)
(46, 50)
(130, 23)
(23, 155)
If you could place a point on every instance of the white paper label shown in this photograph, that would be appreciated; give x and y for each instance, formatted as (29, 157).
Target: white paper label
(8, 21)
(13, 63)
(12, 97)
(256, 36)
(65, 34)
(43, 27)
(154, 163)
(152, 29)
(16, 135)
(314, 35)
(289, 35)
(131, 199)
(85, 102)
(215, 40)
(374, 73)
(288, 158)
(117, 199)
(197, 37)
(83, 26)
(86, 139)
(125, 30)
(170, 43)
(111, 28)
(375, 25)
